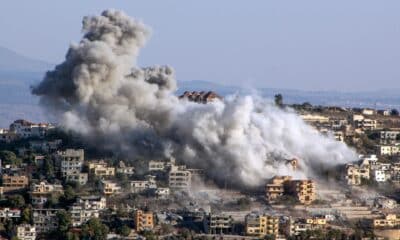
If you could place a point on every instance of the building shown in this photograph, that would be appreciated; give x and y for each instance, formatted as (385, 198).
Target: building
(26, 129)
(156, 166)
(356, 173)
(162, 192)
(26, 232)
(261, 225)
(14, 183)
(110, 188)
(143, 185)
(101, 169)
(368, 111)
(294, 227)
(45, 219)
(8, 213)
(379, 175)
(389, 137)
(42, 191)
(143, 221)
(179, 179)
(275, 188)
(71, 161)
(313, 119)
(80, 214)
(94, 202)
(302, 190)
(218, 224)
(388, 221)
(388, 150)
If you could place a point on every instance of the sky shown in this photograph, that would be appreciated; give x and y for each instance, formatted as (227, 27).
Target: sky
(309, 45)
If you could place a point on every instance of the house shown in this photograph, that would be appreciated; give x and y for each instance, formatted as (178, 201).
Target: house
(14, 183)
(388, 221)
(45, 219)
(218, 224)
(275, 188)
(139, 186)
(302, 190)
(295, 226)
(162, 192)
(387, 150)
(8, 213)
(143, 221)
(42, 191)
(379, 175)
(110, 188)
(261, 225)
(101, 169)
(26, 232)
(80, 214)
(389, 137)
(26, 129)
(93, 202)
(156, 166)
(368, 111)
(179, 179)
(355, 173)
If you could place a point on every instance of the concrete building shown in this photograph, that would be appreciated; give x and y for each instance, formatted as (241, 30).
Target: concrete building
(275, 188)
(388, 221)
(179, 179)
(93, 202)
(261, 225)
(389, 137)
(143, 221)
(379, 176)
(71, 161)
(14, 183)
(303, 190)
(26, 232)
(101, 169)
(356, 173)
(26, 129)
(200, 97)
(110, 188)
(388, 150)
(9, 213)
(218, 224)
(42, 191)
(156, 166)
(80, 214)
(45, 220)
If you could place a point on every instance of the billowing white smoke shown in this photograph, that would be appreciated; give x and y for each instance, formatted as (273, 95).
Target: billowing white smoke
(245, 140)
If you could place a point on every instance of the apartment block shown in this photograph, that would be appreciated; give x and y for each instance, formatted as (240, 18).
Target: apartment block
(9, 213)
(388, 221)
(355, 173)
(101, 169)
(26, 232)
(218, 224)
(388, 150)
(143, 221)
(45, 220)
(14, 182)
(71, 161)
(110, 188)
(261, 225)
(275, 188)
(179, 179)
(303, 190)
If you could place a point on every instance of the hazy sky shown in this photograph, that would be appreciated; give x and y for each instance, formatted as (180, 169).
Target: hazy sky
(340, 45)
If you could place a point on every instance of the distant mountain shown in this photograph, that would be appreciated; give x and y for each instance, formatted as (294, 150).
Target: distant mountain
(17, 74)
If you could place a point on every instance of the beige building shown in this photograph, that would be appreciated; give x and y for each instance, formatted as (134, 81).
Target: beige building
(45, 220)
(355, 173)
(42, 191)
(218, 224)
(14, 183)
(261, 225)
(143, 221)
(388, 221)
(110, 188)
(275, 188)
(179, 178)
(388, 150)
(26, 232)
(303, 190)
(101, 169)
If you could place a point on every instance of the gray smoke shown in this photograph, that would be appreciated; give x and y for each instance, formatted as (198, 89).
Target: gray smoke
(99, 92)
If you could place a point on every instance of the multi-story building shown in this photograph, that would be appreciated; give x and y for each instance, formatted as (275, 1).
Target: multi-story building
(26, 232)
(294, 227)
(218, 224)
(275, 188)
(101, 169)
(261, 225)
(355, 173)
(388, 150)
(80, 214)
(389, 137)
(94, 202)
(14, 182)
(156, 166)
(139, 186)
(388, 221)
(8, 213)
(71, 161)
(143, 221)
(110, 188)
(45, 219)
(379, 175)
(302, 190)
(26, 129)
(179, 179)
(42, 191)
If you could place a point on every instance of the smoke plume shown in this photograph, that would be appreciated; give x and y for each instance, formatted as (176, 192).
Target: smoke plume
(100, 92)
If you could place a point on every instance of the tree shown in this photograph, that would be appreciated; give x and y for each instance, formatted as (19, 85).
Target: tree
(124, 230)
(279, 100)
(26, 215)
(8, 157)
(68, 197)
(16, 201)
(394, 112)
(94, 230)
(64, 222)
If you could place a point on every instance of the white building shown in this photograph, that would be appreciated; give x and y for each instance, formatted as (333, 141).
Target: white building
(45, 220)
(388, 150)
(26, 129)
(26, 232)
(379, 176)
(8, 213)
(389, 137)
(179, 178)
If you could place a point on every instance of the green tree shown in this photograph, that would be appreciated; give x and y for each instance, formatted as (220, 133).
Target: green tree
(94, 230)
(8, 157)
(124, 230)
(69, 196)
(16, 201)
(26, 216)
(64, 222)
